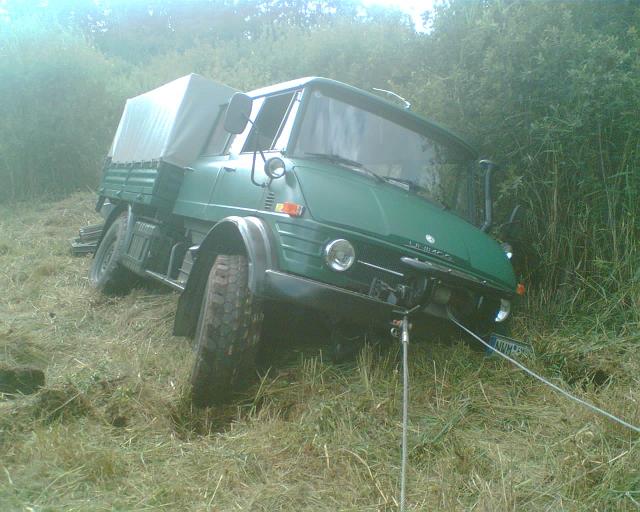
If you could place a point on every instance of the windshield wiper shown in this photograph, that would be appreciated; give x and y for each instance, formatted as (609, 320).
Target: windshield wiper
(412, 186)
(408, 184)
(336, 158)
(345, 161)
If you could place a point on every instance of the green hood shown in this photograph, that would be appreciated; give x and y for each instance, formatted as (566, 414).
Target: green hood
(355, 201)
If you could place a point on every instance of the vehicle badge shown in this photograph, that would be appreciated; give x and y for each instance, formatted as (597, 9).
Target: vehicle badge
(430, 239)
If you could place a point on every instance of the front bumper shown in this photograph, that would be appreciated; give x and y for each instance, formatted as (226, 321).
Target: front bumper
(325, 297)
(356, 306)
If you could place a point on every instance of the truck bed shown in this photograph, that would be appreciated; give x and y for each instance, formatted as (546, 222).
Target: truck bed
(154, 183)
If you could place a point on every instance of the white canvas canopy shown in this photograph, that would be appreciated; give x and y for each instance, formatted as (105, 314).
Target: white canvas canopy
(170, 123)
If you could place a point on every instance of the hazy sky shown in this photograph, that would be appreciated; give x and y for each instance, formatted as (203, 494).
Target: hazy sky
(414, 7)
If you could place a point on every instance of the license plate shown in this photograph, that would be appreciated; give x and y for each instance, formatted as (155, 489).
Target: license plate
(508, 346)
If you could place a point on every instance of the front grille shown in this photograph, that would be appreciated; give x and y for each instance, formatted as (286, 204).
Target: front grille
(381, 257)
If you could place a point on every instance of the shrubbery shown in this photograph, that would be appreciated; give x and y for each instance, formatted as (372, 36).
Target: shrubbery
(59, 106)
(550, 90)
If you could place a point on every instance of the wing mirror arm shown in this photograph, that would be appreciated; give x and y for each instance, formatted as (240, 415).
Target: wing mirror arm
(489, 167)
(253, 168)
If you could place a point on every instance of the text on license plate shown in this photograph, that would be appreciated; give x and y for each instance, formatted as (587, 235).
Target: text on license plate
(508, 346)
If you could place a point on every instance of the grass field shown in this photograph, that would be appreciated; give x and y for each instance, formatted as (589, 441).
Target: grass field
(113, 428)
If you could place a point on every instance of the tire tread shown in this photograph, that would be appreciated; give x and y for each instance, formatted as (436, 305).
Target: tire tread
(228, 333)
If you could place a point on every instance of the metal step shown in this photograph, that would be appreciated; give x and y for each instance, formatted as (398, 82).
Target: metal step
(165, 280)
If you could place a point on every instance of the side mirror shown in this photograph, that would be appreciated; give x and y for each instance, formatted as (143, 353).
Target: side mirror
(238, 113)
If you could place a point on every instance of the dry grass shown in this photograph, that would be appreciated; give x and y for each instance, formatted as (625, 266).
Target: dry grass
(113, 429)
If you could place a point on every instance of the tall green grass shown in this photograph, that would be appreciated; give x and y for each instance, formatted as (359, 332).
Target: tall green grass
(114, 429)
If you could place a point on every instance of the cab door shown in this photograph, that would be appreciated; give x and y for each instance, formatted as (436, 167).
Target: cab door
(237, 191)
(233, 192)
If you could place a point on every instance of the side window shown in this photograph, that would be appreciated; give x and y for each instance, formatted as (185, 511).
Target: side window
(269, 123)
(219, 136)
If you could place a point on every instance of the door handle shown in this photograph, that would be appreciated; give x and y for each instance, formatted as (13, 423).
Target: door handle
(229, 169)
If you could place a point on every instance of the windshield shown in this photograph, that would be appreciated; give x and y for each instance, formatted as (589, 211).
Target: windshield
(403, 157)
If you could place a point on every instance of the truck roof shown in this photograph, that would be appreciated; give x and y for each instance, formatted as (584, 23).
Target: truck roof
(379, 103)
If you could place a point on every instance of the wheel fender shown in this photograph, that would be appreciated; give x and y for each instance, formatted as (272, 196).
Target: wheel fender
(113, 215)
(232, 235)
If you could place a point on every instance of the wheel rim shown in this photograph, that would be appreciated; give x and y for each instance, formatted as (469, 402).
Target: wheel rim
(106, 258)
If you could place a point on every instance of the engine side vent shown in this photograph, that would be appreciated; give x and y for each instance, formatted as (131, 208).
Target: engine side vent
(269, 199)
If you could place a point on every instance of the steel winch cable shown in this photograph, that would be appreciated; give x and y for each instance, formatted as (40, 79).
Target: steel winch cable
(402, 332)
(542, 379)
(404, 339)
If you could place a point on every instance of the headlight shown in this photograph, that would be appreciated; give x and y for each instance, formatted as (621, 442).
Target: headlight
(339, 255)
(505, 309)
(508, 250)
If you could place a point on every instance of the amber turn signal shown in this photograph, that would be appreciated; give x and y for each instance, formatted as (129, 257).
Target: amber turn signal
(293, 209)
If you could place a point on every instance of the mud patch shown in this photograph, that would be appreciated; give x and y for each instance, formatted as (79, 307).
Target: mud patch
(586, 376)
(46, 269)
(62, 403)
(18, 348)
(20, 380)
(188, 421)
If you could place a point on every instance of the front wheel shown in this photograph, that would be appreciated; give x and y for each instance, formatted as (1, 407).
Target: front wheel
(228, 333)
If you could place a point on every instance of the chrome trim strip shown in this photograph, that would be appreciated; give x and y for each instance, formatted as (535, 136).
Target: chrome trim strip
(399, 274)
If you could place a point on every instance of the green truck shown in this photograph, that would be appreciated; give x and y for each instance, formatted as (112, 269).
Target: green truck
(309, 193)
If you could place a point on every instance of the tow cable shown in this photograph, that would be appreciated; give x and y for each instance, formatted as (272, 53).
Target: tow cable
(401, 331)
(542, 379)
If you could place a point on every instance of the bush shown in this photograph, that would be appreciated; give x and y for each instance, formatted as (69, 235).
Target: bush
(58, 111)
(549, 89)
(365, 55)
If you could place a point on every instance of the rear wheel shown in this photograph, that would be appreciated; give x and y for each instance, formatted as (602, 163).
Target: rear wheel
(228, 332)
(107, 273)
